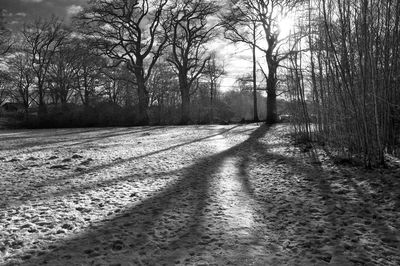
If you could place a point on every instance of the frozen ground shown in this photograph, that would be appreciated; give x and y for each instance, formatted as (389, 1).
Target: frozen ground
(196, 195)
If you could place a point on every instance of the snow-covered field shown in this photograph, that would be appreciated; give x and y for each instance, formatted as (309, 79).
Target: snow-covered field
(194, 195)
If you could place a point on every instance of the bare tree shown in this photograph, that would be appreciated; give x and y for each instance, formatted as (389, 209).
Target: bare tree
(5, 36)
(129, 31)
(43, 38)
(5, 81)
(63, 73)
(5, 46)
(351, 72)
(164, 93)
(213, 72)
(268, 13)
(191, 32)
(89, 68)
(243, 27)
(116, 81)
(22, 79)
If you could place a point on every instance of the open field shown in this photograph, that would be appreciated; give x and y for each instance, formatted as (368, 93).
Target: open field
(194, 195)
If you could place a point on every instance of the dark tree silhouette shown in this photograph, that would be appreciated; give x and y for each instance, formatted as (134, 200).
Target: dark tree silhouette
(190, 33)
(213, 72)
(43, 38)
(353, 68)
(22, 79)
(63, 73)
(129, 31)
(268, 13)
(5, 35)
(243, 27)
(89, 68)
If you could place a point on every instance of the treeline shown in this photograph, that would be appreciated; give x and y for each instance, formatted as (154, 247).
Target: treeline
(120, 63)
(347, 77)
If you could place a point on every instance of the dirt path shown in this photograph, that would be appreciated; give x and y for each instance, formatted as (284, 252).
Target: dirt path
(210, 195)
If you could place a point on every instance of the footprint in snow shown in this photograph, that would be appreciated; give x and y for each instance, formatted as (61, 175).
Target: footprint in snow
(86, 162)
(67, 226)
(76, 156)
(60, 166)
(117, 245)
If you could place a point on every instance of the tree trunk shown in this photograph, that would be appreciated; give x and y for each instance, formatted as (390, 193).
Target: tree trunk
(143, 104)
(271, 108)
(272, 116)
(255, 107)
(185, 108)
(42, 110)
(185, 95)
(86, 91)
(211, 115)
(143, 97)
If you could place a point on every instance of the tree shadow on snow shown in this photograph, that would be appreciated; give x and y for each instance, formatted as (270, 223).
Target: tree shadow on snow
(25, 192)
(157, 229)
(53, 141)
(320, 213)
(306, 211)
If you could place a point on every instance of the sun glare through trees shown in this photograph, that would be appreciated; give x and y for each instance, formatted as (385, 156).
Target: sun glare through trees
(286, 25)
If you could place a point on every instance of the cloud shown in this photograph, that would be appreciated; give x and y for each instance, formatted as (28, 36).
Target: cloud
(73, 10)
(21, 14)
(32, 1)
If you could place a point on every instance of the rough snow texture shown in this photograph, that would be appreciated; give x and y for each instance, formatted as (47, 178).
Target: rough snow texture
(196, 195)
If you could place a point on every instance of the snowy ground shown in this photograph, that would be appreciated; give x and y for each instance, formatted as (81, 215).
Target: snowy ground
(196, 195)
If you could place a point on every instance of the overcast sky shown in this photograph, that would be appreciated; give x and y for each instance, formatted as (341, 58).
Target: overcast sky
(236, 58)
